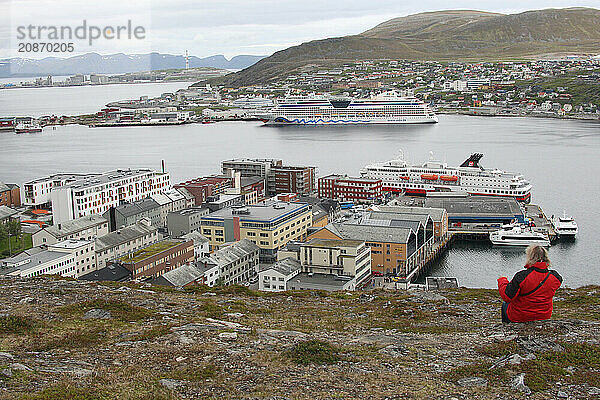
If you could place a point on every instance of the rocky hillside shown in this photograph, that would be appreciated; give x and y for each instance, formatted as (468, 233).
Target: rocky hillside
(443, 36)
(64, 339)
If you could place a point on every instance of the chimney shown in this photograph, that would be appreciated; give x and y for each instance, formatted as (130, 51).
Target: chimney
(163, 165)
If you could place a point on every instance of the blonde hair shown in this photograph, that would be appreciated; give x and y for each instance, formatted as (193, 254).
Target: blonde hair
(536, 253)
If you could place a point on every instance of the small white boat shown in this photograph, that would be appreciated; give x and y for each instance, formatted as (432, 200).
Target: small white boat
(564, 226)
(518, 235)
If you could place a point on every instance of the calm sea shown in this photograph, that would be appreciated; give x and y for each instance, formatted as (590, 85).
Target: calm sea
(559, 157)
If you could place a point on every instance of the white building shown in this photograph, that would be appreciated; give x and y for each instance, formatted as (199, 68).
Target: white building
(87, 228)
(201, 244)
(275, 277)
(171, 200)
(69, 258)
(37, 192)
(95, 194)
(234, 264)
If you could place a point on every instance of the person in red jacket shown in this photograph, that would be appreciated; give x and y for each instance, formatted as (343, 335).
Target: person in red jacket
(528, 296)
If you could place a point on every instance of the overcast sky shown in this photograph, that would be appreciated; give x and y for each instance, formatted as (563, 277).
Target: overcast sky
(229, 27)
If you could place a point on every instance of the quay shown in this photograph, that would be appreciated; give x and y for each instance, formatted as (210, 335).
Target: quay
(470, 218)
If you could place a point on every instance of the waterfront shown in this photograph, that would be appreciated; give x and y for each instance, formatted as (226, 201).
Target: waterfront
(558, 157)
(76, 100)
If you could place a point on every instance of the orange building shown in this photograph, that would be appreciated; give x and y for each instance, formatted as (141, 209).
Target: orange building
(393, 249)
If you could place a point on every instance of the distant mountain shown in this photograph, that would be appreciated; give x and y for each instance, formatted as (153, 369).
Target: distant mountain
(115, 64)
(444, 36)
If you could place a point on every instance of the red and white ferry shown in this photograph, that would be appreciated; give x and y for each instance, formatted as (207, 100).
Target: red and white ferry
(436, 176)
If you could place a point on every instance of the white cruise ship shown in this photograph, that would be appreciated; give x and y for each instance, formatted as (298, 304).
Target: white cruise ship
(435, 176)
(385, 108)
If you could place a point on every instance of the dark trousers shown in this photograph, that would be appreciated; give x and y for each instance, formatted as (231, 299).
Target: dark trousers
(504, 315)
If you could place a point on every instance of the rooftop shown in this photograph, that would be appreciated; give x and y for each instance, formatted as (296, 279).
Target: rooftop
(476, 205)
(92, 180)
(113, 272)
(61, 177)
(332, 243)
(181, 276)
(137, 207)
(196, 236)
(190, 211)
(149, 251)
(233, 252)
(320, 280)
(69, 244)
(287, 266)
(435, 213)
(123, 235)
(268, 212)
(6, 212)
(24, 261)
(77, 225)
(371, 233)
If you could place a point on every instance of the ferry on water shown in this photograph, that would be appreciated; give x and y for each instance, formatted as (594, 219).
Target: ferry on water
(564, 226)
(385, 108)
(437, 177)
(518, 235)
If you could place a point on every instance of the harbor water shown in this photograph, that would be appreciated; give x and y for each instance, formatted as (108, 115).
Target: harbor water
(559, 157)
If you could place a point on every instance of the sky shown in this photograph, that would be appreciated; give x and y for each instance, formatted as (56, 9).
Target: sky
(209, 27)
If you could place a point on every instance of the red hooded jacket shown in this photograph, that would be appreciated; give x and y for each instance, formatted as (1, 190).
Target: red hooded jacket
(523, 304)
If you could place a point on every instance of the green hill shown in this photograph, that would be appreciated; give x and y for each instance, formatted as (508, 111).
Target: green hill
(443, 36)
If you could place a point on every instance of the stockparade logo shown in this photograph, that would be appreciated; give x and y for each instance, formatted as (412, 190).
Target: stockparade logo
(59, 39)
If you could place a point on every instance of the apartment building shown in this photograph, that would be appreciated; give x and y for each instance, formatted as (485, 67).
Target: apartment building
(346, 258)
(275, 277)
(154, 260)
(270, 226)
(232, 264)
(95, 194)
(291, 179)
(348, 261)
(169, 201)
(185, 221)
(129, 213)
(10, 195)
(345, 188)
(68, 258)
(87, 228)
(123, 241)
(201, 246)
(36, 193)
(249, 167)
(202, 188)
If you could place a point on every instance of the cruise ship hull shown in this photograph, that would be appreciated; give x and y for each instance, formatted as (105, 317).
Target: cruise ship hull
(437, 179)
(280, 121)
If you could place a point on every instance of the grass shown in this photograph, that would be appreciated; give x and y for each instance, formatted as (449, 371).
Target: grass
(499, 349)
(314, 352)
(68, 391)
(149, 251)
(17, 245)
(549, 367)
(542, 372)
(152, 333)
(72, 338)
(17, 325)
(195, 373)
(119, 310)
